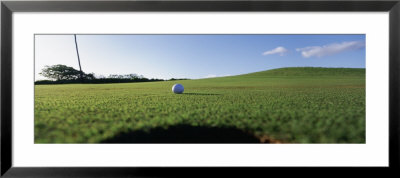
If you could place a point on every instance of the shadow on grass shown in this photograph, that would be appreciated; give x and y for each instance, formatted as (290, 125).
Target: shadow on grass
(185, 134)
(199, 94)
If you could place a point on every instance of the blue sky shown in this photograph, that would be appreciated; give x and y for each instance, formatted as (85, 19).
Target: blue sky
(197, 56)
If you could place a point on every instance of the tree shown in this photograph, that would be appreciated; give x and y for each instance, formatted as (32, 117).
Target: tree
(63, 72)
(89, 76)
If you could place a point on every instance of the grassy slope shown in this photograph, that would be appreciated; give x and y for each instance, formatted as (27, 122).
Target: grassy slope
(297, 105)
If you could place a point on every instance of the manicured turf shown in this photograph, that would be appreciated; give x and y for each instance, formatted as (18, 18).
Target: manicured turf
(290, 105)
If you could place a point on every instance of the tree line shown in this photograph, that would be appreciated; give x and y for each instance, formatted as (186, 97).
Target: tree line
(62, 74)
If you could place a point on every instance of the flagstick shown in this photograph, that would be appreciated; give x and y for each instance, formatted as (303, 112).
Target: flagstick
(79, 60)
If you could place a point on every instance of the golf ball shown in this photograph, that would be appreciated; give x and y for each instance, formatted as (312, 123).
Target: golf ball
(177, 88)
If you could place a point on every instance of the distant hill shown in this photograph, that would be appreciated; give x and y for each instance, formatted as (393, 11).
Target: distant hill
(309, 71)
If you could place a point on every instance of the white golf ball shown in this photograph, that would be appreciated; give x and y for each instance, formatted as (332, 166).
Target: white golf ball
(177, 88)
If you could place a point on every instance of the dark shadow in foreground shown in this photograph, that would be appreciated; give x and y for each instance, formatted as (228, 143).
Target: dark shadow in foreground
(185, 134)
(199, 94)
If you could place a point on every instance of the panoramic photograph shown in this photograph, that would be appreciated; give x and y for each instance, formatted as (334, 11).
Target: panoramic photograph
(199, 88)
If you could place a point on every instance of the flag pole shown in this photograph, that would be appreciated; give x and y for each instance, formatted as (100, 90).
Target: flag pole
(79, 60)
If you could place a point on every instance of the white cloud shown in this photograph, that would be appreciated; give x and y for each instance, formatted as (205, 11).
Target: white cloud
(278, 50)
(330, 49)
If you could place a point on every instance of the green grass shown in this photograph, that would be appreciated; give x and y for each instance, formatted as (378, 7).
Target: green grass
(292, 105)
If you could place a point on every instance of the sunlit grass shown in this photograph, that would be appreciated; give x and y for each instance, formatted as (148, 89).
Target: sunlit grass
(294, 105)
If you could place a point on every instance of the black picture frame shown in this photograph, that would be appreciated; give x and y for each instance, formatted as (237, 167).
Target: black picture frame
(8, 7)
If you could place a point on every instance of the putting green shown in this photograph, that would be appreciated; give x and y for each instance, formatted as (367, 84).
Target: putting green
(291, 105)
